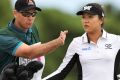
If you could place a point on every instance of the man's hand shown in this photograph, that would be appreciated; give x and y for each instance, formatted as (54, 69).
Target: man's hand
(62, 37)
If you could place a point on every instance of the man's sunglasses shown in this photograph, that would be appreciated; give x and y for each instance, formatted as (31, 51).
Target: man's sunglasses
(28, 14)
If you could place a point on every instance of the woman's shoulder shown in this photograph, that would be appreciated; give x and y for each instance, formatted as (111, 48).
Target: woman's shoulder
(114, 37)
(77, 40)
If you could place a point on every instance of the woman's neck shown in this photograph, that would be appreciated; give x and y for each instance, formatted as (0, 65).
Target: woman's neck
(94, 36)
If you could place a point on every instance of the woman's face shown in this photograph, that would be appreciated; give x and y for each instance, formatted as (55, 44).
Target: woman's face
(91, 23)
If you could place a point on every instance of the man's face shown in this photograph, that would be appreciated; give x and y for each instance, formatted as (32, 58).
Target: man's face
(24, 19)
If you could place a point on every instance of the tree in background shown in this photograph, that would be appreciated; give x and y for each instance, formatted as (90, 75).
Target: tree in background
(5, 12)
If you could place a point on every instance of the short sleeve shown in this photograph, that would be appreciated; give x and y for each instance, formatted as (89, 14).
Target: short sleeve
(9, 44)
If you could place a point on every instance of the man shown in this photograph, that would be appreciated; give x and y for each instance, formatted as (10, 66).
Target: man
(20, 38)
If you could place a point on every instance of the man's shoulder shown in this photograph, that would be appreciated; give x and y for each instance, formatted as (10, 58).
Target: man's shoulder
(6, 32)
(34, 28)
(3, 30)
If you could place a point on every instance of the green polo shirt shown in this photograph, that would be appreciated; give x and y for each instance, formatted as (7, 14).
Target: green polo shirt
(11, 38)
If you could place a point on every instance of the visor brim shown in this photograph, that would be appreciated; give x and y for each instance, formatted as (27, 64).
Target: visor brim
(31, 7)
(85, 11)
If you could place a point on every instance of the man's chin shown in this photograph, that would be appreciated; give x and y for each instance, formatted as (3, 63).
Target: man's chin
(28, 25)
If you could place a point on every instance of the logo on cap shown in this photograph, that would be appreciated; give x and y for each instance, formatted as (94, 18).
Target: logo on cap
(31, 3)
(87, 7)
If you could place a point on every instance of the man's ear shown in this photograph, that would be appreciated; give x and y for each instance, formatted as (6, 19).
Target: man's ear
(14, 13)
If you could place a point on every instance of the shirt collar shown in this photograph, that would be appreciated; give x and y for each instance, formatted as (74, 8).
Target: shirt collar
(86, 40)
(105, 34)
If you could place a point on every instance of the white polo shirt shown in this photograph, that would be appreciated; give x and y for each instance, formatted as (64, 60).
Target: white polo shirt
(97, 61)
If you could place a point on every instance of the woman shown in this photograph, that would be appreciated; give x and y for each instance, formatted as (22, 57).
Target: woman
(96, 51)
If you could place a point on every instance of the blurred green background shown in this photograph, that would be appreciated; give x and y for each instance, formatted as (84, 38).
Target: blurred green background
(51, 21)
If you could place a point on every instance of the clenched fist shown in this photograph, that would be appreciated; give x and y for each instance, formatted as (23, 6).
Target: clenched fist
(62, 37)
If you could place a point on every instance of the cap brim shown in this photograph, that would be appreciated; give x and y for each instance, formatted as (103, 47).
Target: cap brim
(31, 7)
(85, 11)
(79, 13)
(38, 9)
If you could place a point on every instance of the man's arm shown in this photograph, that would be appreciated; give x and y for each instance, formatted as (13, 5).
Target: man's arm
(39, 49)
